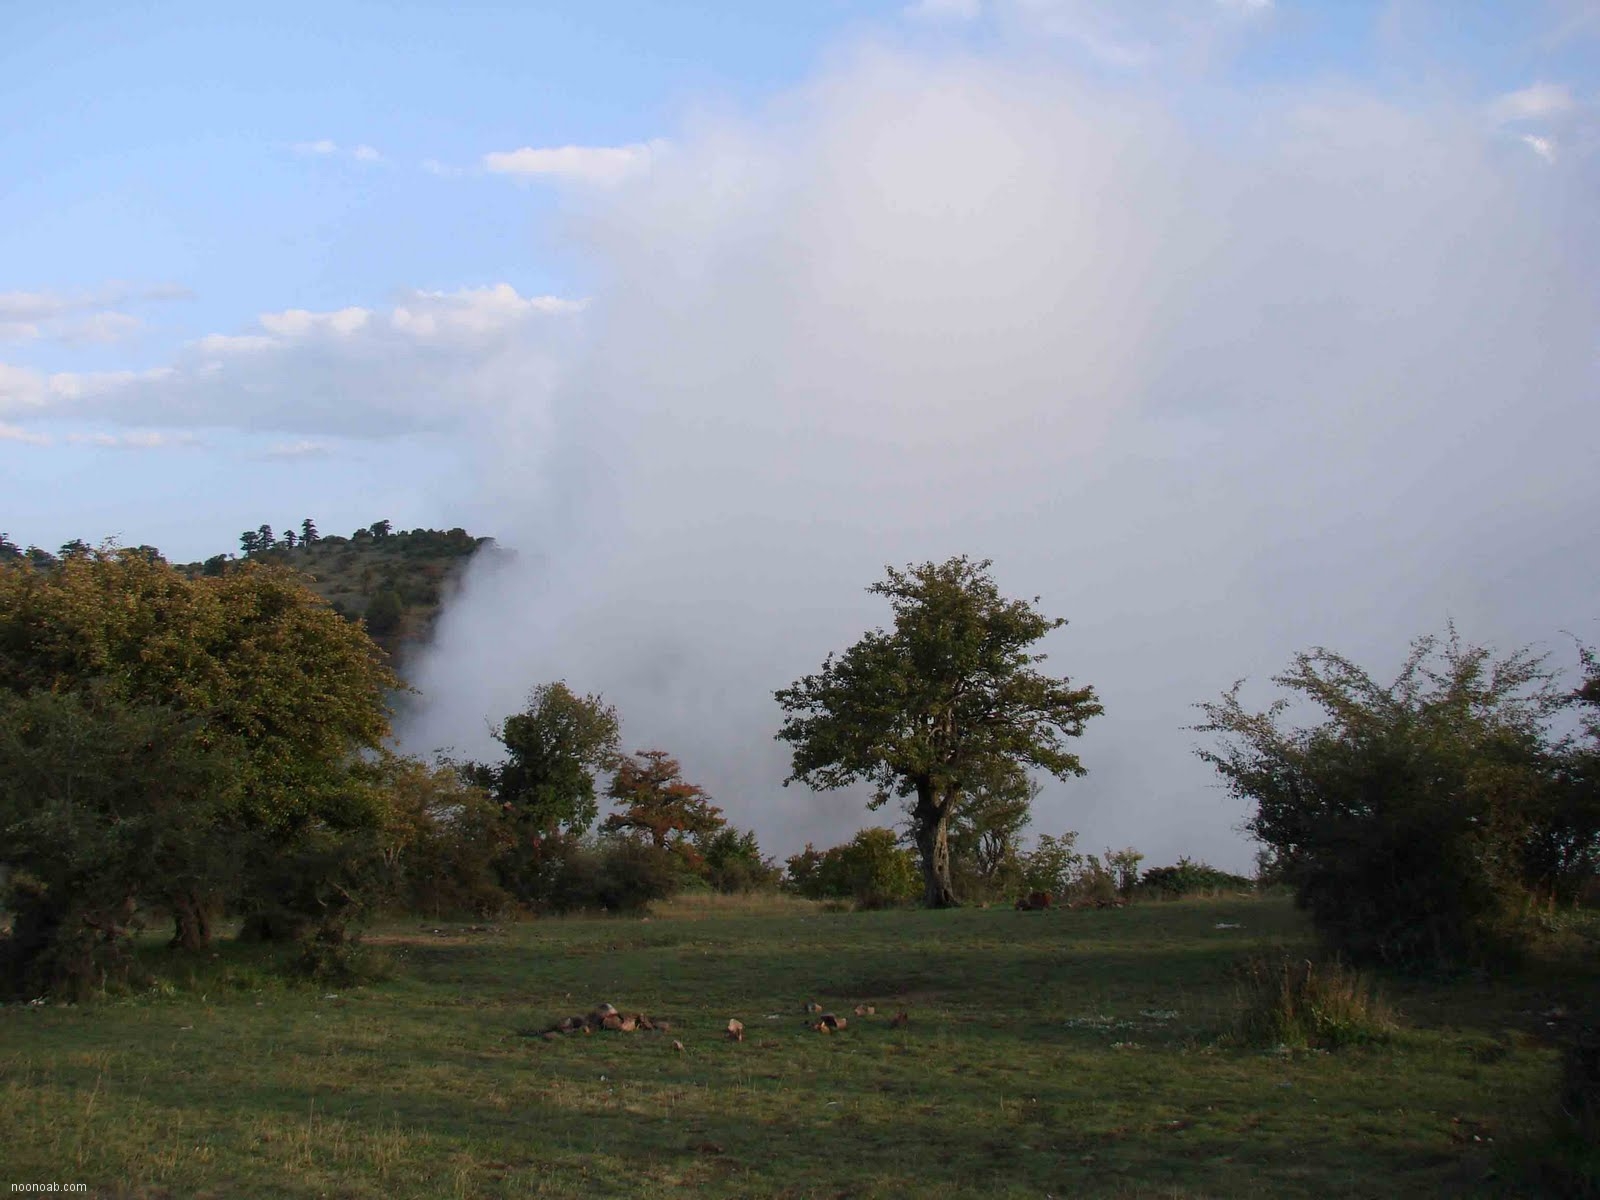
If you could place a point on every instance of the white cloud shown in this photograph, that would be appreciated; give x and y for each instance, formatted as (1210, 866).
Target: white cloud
(434, 167)
(1207, 374)
(296, 322)
(28, 437)
(138, 439)
(300, 449)
(937, 11)
(1245, 8)
(1544, 147)
(79, 317)
(424, 364)
(597, 165)
(1538, 101)
(103, 328)
(328, 148)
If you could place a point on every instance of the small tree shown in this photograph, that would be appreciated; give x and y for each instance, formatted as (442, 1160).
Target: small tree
(308, 533)
(1400, 819)
(986, 831)
(930, 711)
(289, 538)
(658, 803)
(265, 539)
(731, 861)
(249, 542)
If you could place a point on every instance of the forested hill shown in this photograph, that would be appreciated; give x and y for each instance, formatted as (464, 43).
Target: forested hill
(396, 579)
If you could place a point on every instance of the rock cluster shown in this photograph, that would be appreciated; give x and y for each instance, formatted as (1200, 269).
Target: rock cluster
(604, 1018)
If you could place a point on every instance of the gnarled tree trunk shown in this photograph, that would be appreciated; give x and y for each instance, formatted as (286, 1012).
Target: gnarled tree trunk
(931, 828)
(191, 921)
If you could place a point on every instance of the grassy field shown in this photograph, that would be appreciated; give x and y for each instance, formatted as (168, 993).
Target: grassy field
(1047, 1054)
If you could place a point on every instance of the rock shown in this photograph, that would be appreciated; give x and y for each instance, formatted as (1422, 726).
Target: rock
(605, 1009)
(832, 1022)
(735, 1031)
(611, 1022)
(865, 1010)
(644, 1022)
(628, 1024)
(822, 1027)
(813, 1007)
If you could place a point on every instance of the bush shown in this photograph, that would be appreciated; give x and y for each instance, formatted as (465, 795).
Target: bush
(730, 861)
(872, 869)
(612, 874)
(1402, 819)
(1190, 878)
(1308, 1005)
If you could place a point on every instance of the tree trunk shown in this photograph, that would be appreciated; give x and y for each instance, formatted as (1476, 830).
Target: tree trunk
(932, 832)
(191, 921)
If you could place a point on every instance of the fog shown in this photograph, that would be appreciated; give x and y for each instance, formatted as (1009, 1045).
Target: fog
(1217, 375)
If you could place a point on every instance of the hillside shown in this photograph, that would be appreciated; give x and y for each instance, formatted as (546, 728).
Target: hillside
(395, 580)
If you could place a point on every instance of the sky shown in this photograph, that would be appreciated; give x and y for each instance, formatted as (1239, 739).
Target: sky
(1227, 328)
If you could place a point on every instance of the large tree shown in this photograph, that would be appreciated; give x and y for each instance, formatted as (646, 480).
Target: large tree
(937, 707)
(253, 655)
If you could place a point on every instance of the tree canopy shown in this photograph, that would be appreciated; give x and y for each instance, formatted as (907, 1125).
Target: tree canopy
(659, 803)
(554, 747)
(945, 702)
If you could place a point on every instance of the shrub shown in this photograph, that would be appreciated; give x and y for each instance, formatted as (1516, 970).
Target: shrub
(1403, 818)
(614, 874)
(1190, 878)
(1300, 1003)
(872, 869)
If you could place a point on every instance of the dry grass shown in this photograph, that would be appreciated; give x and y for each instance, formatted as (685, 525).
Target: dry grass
(1292, 1001)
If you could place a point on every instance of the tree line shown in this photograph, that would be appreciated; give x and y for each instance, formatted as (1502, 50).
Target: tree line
(188, 747)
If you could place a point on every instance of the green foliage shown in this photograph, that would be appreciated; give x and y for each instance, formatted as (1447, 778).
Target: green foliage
(934, 710)
(259, 657)
(1402, 818)
(1124, 867)
(1190, 878)
(1053, 865)
(440, 841)
(872, 869)
(731, 861)
(104, 804)
(385, 612)
(986, 859)
(554, 747)
(1302, 1004)
(608, 874)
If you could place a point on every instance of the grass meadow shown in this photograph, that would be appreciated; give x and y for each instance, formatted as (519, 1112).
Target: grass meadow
(1085, 1053)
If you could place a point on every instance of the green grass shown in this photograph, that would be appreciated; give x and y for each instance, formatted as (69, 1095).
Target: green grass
(1060, 1054)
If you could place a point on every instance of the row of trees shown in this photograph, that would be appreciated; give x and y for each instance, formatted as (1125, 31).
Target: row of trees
(191, 746)
(1419, 821)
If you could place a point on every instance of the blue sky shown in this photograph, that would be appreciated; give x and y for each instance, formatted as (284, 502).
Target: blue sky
(1229, 327)
(175, 170)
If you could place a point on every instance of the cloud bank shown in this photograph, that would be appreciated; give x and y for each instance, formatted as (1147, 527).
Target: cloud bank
(1216, 380)
(434, 361)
